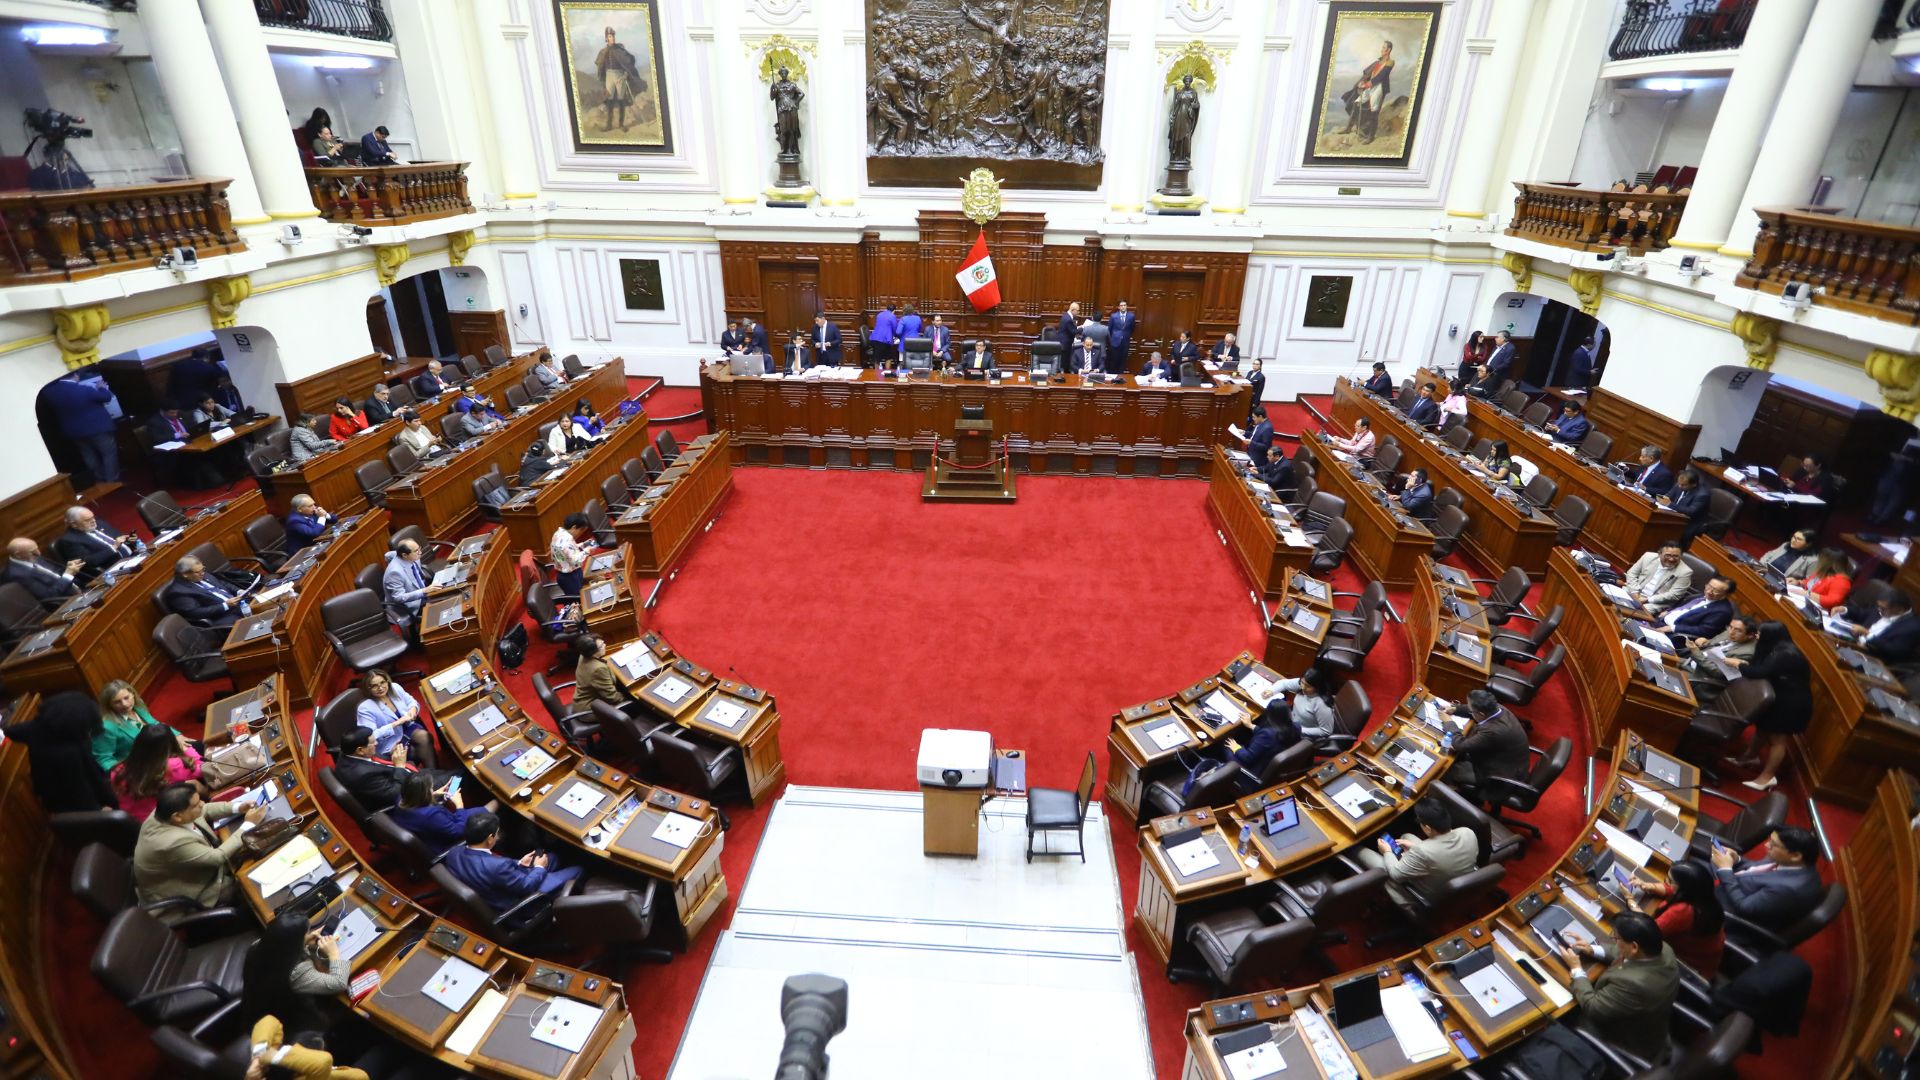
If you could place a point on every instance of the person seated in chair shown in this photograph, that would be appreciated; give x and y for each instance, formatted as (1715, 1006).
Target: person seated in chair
(1629, 1005)
(977, 359)
(345, 422)
(369, 777)
(49, 583)
(1416, 496)
(167, 425)
(1689, 498)
(1311, 711)
(1426, 861)
(394, 718)
(1425, 409)
(379, 408)
(1087, 359)
(176, 854)
(547, 372)
(593, 676)
(1659, 580)
(1225, 351)
(436, 815)
(307, 524)
(202, 598)
(1572, 426)
(1496, 747)
(1484, 384)
(564, 438)
(1812, 478)
(940, 336)
(1736, 642)
(1704, 615)
(305, 442)
(86, 541)
(428, 385)
(1361, 444)
(1895, 636)
(795, 359)
(418, 437)
(1158, 367)
(1273, 732)
(1652, 475)
(587, 419)
(1776, 890)
(502, 882)
(536, 462)
(1379, 383)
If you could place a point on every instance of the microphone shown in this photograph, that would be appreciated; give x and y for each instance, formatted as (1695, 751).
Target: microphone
(176, 519)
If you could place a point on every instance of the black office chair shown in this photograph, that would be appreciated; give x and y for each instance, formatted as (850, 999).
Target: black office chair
(158, 973)
(434, 551)
(516, 398)
(1508, 645)
(495, 355)
(1748, 941)
(1569, 518)
(1245, 947)
(1497, 843)
(1350, 655)
(683, 763)
(1508, 597)
(543, 603)
(1051, 810)
(1514, 687)
(193, 651)
(1386, 459)
(1331, 549)
(1337, 890)
(20, 614)
(1477, 890)
(1459, 438)
(400, 395)
(268, 539)
(1515, 401)
(668, 447)
(1596, 446)
(1536, 414)
(337, 791)
(602, 525)
(1750, 824)
(374, 478)
(1716, 724)
(116, 829)
(336, 719)
(636, 476)
(1541, 490)
(650, 458)
(401, 459)
(356, 626)
(613, 491)
(483, 495)
(617, 913)
(368, 578)
(1449, 525)
(102, 880)
(1449, 497)
(1352, 709)
(1722, 507)
(576, 724)
(1287, 765)
(1321, 511)
(571, 364)
(1502, 793)
(450, 428)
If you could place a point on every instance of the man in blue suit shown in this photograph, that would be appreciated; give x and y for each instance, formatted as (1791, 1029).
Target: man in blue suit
(1775, 891)
(1119, 333)
(1572, 426)
(941, 335)
(80, 410)
(1580, 368)
(1425, 410)
(403, 584)
(1500, 363)
(306, 524)
(1379, 382)
(1257, 381)
(826, 340)
(1260, 439)
(885, 336)
(1704, 615)
(201, 598)
(500, 881)
(1416, 497)
(27, 568)
(1653, 476)
(1070, 325)
(1689, 497)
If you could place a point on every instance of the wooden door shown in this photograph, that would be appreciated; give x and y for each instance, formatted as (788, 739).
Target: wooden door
(1170, 302)
(473, 331)
(415, 339)
(379, 327)
(790, 293)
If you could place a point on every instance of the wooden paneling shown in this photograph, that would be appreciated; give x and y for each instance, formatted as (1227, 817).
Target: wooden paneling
(531, 519)
(298, 647)
(1633, 425)
(317, 393)
(39, 511)
(32, 1048)
(1881, 870)
(1612, 694)
(1855, 439)
(661, 529)
(473, 331)
(1264, 554)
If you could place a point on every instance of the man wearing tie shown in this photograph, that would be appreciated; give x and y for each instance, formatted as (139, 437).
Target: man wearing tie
(166, 426)
(86, 541)
(1380, 382)
(200, 598)
(1070, 324)
(1425, 410)
(428, 385)
(378, 409)
(1500, 364)
(942, 338)
(797, 360)
(48, 583)
(306, 524)
(1653, 477)
(1257, 379)
(756, 335)
(1119, 335)
(1159, 367)
(826, 340)
(1416, 497)
(1260, 439)
(1086, 358)
(404, 585)
(1184, 350)
(1225, 350)
(977, 359)
(1572, 426)
(731, 339)
(1704, 615)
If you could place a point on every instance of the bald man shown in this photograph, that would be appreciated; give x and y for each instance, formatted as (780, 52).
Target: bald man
(48, 582)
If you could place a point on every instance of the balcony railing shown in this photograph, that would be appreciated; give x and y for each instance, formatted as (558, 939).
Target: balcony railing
(70, 235)
(1590, 219)
(1861, 266)
(351, 18)
(390, 194)
(1667, 27)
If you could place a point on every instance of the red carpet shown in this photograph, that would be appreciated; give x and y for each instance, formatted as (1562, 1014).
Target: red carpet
(871, 615)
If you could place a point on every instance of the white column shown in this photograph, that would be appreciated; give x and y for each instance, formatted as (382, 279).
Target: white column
(1235, 99)
(736, 93)
(1134, 89)
(1726, 163)
(1803, 121)
(829, 149)
(512, 130)
(1467, 194)
(259, 109)
(183, 58)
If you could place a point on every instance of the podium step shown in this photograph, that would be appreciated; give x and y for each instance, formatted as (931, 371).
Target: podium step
(946, 483)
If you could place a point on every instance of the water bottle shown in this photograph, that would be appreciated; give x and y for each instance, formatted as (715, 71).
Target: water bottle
(1246, 838)
(1446, 742)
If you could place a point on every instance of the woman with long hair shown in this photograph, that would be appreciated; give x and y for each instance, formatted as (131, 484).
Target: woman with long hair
(1831, 578)
(160, 756)
(121, 715)
(1794, 559)
(393, 716)
(291, 971)
(1500, 465)
(59, 741)
(1689, 914)
(1779, 661)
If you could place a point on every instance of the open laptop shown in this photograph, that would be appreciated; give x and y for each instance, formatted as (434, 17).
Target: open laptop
(1357, 1012)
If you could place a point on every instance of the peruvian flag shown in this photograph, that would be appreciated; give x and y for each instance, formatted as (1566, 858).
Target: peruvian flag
(976, 276)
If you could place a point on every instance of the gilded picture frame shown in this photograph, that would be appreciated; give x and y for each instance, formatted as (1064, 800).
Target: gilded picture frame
(614, 77)
(1371, 85)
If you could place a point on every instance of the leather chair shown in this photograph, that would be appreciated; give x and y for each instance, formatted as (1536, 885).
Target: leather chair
(1710, 1054)
(1287, 765)
(542, 604)
(483, 486)
(20, 614)
(1338, 890)
(335, 720)
(668, 447)
(433, 550)
(535, 391)
(450, 429)
(1449, 497)
(413, 854)
(1497, 842)
(1051, 810)
(602, 525)
(1510, 646)
(1502, 793)
(1459, 437)
(624, 735)
(115, 829)
(401, 459)
(1348, 624)
(636, 475)
(1304, 490)
(1702, 572)
(1750, 824)
(161, 512)
(1722, 507)
(577, 725)
(368, 578)
(1386, 459)
(1596, 446)
(1749, 941)
(400, 395)
(516, 398)
(495, 355)
(1508, 597)
(1481, 448)
(190, 649)
(1541, 490)
(1570, 517)
(1448, 527)
(1352, 709)
(1477, 890)
(460, 370)
(1720, 721)
(613, 491)
(1245, 948)
(597, 912)
(571, 364)
(650, 458)
(268, 539)
(220, 564)
(330, 783)
(687, 765)
(1321, 511)
(1515, 401)
(1536, 414)
(1218, 786)
(102, 880)
(159, 975)
(1514, 687)
(374, 478)
(191, 1056)
(1350, 655)
(357, 628)
(1331, 549)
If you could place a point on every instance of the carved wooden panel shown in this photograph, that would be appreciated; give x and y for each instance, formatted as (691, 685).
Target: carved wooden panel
(39, 511)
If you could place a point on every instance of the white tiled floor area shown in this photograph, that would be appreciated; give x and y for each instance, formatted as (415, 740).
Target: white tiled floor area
(956, 967)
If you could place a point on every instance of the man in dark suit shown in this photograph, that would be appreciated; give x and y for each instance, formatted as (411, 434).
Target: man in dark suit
(1257, 382)
(755, 334)
(1225, 350)
(1416, 496)
(428, 385)
(1070, 324)
(795, 358)
(1379, 382)
(48, 583)
(166, 426)
(194, 375)
(378, 409)
(1500, 363)
(1653, 476)
(1704, 615)
(1260, 439)
(1087, 359)
(941, 337)
(1580, 368)
(731, 339)
(201, 598)
(1572, 426)
(79, 409)
(1774, 891)
(503, 882)
(1183, 350)
(306, 524)
(375, 781)
(1895, 635)
(1689, 497)
(98, 549)
(1159, 367)
(1120, 325)
(977, 359)
(826, 340)
(1424, 409)
(1496, 747)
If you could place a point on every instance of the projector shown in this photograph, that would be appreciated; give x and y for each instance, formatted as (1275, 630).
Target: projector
(955, 758)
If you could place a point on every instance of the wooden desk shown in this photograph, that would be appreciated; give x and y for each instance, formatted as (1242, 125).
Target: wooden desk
(1613, 693)
(113, 639)
(619, 827)
(1447, 634)
(607, 599)
(532, 516)
(1881, 870)
(1259, 530)
(1388, 543)
(295, 639)
(233, 436)
(1502, 532)
(740, 715)
(34, 1038)
(1146, 741)
(1849, 744)
(670, 513)
(1123, 428)
(1299, 628)
(1624, 524)
(440, 499)
(473, 616)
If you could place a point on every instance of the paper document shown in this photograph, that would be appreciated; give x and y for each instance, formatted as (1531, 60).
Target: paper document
(473, 1026)
(1193, 856)
(1630, 851)
(531, 763)
(1493, 989)
(222, 434)
(1617, 593)
(1232, 429)
(1255, 1062)
(672, 689)
(290, 862)
(1413, 762)
(581, 799)
(566, 1023)
(1642, 650)
(1258, 686)
(1296, 538)
(169, 445)
(1659, 639)
(1650, 796)
(1332, 1054)
(727, 714)
(1219, 702)
(453, 680)
(678, 830)
(1556, 993)
(454, 984)
(1419, 1037)
(1167, 736)
(357, 931)
(636, 660)
(1354, 799)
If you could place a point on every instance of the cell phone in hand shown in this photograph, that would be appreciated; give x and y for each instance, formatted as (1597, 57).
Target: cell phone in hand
(453, 787)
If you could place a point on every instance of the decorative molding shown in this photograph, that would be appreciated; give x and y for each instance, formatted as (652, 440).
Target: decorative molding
(780, 51)
(224, 296)
(77, 331)
(458, 244)
(1481, 46)
(779, 12)
(1195, 58)
(1521, 267)
(1898, 374)
(1277, 43)
(1199, 16)
(980, 198)
(1760, 335)
(387, 259)
(1587, 285)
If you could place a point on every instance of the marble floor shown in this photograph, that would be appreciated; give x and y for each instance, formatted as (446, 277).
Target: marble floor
(954, 966)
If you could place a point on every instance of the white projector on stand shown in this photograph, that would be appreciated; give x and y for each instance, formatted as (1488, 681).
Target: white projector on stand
(951, 757)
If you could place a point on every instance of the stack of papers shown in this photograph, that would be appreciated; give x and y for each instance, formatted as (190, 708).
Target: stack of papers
(1419, 1037)
(1258, 686)
(677, 829)
(1193, 856)
(290, 862)
(1167, 735)
(635, 659)
(466, 1038)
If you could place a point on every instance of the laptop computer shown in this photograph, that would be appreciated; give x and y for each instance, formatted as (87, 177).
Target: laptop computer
(1280, 816)
(1357, 1012)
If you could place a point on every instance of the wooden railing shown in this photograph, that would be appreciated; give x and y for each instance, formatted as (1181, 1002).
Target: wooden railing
(69, 235)
(1860, 266)
(390, 194)
(1591, 219)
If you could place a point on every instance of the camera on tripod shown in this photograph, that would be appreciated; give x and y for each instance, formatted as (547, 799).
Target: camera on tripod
(57, 127)
(57, 170)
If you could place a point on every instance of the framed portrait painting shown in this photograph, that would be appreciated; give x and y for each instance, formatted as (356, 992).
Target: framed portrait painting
(1371, 85)
(616, 90)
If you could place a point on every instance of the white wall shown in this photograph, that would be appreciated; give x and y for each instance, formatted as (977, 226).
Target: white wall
(1860, 146)
(1516, 313)
(120, 99)
(1628, 133)
(357, 100)
(1729, 396)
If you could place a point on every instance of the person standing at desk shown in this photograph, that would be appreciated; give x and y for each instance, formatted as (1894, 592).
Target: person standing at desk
(1571, 427)
(1779, 661)
(79, 409)
(1379, 383)
(910, 324)
(731, 339)
(48, 583)
(885, 337)
(1474, 354)
(98, 549)
(1120, 323)
(1183, 350)
(1580, 367)
(65, 775)
(1629, 1004)
(1659, 580)
(306, 524)
(569, 549)
(1653, 476)
(1260, 440)
(1070, 323)
(1257, 383)
(502, 882)
(1425, 862)
(826, 340)
(1500, 361)
(1425, 410)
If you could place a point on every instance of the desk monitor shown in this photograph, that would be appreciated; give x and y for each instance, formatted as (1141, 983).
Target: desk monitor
(1358, 1014)
(1190, 374)
(742, 364)
(1281, 816)
(1665, 769)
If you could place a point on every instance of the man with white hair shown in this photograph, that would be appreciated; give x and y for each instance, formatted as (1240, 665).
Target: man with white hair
(202, 599)
(307, 523)
(98, 549)
(1225, 350)
(28, 569)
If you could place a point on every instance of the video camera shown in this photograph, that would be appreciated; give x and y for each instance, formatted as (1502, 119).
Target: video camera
(57, 127)
(814, 1009)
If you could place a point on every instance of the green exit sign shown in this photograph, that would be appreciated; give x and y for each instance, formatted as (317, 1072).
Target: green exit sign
(1349, 191)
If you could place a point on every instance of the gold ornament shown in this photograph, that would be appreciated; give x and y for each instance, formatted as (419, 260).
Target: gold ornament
(781, 51)
(387, 259)
(1760, 335)
(458, 244)
(1197, 59)
(1521, 267)
(1586, 285)
(223, 299)
(1898, 374)
(77, 331)
(980, 198)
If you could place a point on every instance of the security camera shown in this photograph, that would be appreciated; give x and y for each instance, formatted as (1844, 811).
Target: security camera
(179, 260)
(290, 235)
(355, 234)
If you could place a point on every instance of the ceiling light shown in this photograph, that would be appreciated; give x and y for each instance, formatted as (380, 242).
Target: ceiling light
(340, 63)
(64, 34)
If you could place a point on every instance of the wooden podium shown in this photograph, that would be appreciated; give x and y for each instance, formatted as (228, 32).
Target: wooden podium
(976, 473)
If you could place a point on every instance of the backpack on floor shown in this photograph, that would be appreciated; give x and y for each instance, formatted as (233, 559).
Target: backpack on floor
(512, 650)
